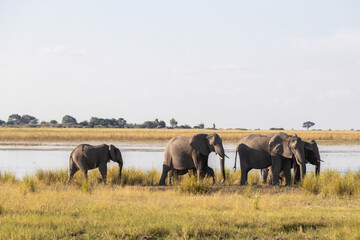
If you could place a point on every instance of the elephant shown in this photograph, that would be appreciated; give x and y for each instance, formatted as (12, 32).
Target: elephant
(182, 153)
(86, 157)
(277, 150)
(172, 174)
(312, 156)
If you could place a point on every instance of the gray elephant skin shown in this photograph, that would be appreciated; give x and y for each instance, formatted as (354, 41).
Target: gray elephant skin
(277, 150)
(86, 157)
(182, 153)
(173, 174)
(312, 156)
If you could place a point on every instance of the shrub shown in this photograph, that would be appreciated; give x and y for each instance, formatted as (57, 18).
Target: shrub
(51, 176)
(330, 182)
(86, 186)
(311, 184)
(189, 184)
(29, 184)
(7, 177)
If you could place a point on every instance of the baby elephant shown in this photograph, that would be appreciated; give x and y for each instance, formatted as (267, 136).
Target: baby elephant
(86, 157)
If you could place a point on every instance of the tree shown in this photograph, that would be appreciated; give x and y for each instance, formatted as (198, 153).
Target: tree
(14, 119)
(308, 125)
(2, 122)
(53, 122)
(26, 119)
(200, 126)
(69, 120)
(173, 123)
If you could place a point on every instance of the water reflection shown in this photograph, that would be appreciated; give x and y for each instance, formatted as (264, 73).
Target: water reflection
(22, 160)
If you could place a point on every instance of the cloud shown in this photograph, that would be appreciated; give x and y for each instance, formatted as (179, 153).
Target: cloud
(61, 49)
(341, 41)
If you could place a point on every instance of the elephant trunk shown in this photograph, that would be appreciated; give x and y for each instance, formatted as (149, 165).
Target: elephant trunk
(300, 159)
(221, 153)
(236, 153)
(222, 168)
(317, 168)
(120, 166)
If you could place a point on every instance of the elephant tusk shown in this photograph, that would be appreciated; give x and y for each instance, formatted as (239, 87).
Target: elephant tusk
(320, 160)
(226, 156)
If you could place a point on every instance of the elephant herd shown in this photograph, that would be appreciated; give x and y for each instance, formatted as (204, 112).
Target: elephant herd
(275, 154)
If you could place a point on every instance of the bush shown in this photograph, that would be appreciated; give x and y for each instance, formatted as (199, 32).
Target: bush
(330, 182)
(311, 184)
(7, 177)
(52, 176)
(138, 177)
(29, 184)
(189, 184)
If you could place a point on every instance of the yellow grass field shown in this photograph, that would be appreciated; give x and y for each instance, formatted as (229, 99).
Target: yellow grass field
(160, 135)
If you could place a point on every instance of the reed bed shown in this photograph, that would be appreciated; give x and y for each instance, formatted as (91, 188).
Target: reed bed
(150, 135)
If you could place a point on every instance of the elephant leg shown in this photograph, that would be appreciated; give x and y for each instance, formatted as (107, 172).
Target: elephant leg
(296, 173)
(276, 167)
(166, 169)
(270, 176)
(170, 177)
(244, 175)
(175, 177)
(265, 173)
(191, 172)
(103, 172)
(244, 165)
(287, 171)
(210, 173)
(85, 172)
(72, 170)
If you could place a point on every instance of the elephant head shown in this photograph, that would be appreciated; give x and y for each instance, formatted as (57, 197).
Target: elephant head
(205, 144)
(115, 155)
(312, 155)
(288, 146)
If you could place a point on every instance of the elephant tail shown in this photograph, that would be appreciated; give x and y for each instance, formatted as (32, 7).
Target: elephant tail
(236, 153)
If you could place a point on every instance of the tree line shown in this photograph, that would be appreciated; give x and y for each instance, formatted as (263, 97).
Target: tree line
(15, 120)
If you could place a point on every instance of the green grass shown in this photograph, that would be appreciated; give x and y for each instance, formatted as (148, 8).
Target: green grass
(330, 182)
(43, 206)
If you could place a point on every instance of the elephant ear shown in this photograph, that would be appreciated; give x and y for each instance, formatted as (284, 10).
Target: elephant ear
(112, 152)
(279, 145)
(200, 142)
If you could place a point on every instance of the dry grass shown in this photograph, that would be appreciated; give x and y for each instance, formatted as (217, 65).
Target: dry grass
(42, 206)
(132, 212)
(150, 135)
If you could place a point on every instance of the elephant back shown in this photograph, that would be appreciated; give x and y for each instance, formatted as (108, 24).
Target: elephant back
(178, 154)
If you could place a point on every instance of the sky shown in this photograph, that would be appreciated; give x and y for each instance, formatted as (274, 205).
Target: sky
(237, 64)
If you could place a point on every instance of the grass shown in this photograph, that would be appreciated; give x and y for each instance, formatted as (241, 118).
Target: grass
(148, 212)
(43, 206)
(330, 182)
(24, 135)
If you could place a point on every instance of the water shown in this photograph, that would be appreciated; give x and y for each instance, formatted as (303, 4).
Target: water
(22, 160)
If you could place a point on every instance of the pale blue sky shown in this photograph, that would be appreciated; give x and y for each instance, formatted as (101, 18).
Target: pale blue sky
(245, 64)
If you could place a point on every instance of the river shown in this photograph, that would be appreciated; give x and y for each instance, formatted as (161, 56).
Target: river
(24, 159)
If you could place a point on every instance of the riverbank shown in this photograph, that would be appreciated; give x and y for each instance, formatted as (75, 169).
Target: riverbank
(157, 136)
(43, 206)
(133, 212)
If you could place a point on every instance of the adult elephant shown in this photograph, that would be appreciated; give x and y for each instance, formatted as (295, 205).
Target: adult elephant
(182, 153)
(173, 174)
(312, 156)
(261, 151)
(86, 157)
